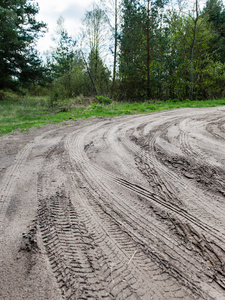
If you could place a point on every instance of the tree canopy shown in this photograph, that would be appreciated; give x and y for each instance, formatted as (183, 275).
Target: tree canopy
(166, 53)
(158, 50)
(19, 61)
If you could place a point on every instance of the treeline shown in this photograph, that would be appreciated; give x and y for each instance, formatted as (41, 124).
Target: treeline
(154, 49)
(172, 53)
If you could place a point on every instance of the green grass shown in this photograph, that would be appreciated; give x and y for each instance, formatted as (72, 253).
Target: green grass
(30, 112)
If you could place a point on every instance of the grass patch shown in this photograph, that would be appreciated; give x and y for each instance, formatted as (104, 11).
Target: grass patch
(24, 113)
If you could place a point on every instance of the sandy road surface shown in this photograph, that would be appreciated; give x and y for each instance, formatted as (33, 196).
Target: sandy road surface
(125, 208)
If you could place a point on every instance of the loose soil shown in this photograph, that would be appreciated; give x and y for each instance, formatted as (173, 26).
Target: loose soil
(124, 208)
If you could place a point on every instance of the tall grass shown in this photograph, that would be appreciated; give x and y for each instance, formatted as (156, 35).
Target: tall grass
(26, 112)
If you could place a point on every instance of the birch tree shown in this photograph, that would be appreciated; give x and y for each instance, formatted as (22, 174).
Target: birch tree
(93, 44)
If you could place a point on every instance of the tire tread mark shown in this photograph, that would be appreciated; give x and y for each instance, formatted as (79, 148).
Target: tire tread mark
(10, 179)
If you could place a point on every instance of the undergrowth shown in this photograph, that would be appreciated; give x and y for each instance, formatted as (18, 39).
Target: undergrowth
(26, 112)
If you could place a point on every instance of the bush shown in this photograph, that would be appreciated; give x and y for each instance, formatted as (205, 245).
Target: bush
(103, 100)
(175, 100)
(54, 97)
(2, 96)
(8, 95)
(96, 106)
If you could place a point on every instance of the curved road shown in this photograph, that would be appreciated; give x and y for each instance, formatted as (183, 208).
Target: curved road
(124, 208)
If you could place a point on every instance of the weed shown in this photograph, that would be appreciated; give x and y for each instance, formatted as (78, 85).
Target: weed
(21, 113)
(103, 100)
(96, 105)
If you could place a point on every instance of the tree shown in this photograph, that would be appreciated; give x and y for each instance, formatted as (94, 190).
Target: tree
(195, 22)
(113, 10)
(19, 63)
(63, 55)
(72, 82)
(195, 73)
(99, 73)
(67, 69)
(153, 23)
(214, 12)
(94, 37)
(95, 30)
(132, 40)
(177, 54)
(62, 58)
(115, 40)
(140, 36)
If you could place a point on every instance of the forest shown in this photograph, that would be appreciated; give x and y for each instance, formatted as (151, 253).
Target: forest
(126, 50)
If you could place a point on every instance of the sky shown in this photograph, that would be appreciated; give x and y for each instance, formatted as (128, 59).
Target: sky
(73, 12)
(50, 10)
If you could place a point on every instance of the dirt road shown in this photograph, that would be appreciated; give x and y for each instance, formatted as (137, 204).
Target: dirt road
(126, 208)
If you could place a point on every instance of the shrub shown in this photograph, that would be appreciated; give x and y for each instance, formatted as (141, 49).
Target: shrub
(96, 106)
(103, 100)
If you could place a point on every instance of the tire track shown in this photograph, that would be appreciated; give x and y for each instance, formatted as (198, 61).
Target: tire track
(90, 177)
(203, 171)
(219, 259)
(9, 181)
(114, 224)
(192, 164)
(104, 261)
(100, 187)
(69, 246)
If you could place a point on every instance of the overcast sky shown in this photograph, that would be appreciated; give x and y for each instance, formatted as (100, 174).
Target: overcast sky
(50, 10)
(72, 10)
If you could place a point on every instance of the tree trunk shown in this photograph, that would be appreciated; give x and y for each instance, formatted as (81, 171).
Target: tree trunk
(89, 73)
(115, 42)
(192, 53)
(148, 51)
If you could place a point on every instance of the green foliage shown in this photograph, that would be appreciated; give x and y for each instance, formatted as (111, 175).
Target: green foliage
(68, 72)
(22, 113)
(98, 72)
(142, 43)
(74, 82)
(96, 106)
(103, 100)
(174, 100)
(164, 54)
(19, 61)
(71, 74)
(171, 54)
(214, 13)
(54, 97)
(7, 95)
(62, 58)
(192, 38)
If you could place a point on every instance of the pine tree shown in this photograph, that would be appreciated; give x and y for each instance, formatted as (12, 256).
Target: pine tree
(195, 74)
(215, 14)
(64, 53)
(141, 33)
(132, 44)
(19, 62)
